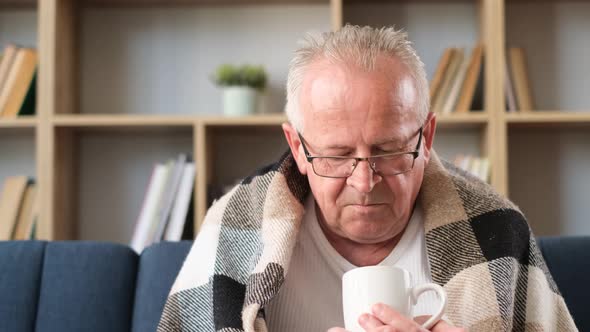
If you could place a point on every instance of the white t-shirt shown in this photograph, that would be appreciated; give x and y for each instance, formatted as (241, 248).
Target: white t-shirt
(310, 299)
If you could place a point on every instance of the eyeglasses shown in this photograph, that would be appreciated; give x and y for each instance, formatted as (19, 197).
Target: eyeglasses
(384, 164)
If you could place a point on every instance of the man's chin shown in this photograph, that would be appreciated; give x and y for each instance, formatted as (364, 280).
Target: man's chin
(371, 212)
(369, 234)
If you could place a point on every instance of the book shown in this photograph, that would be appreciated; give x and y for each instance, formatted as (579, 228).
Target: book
(6, 63)
(188, 232)
(520, 79)
(509, 90)
(19, 85)
(479, 167)
(484, 170)
(29, 104)
(13, 191)
(27, 214)
(149, 206)
(474, 166)
(167, 200)
(439, 74)
(455, 89)
(181, 204)
(474, 71)
(455, 63)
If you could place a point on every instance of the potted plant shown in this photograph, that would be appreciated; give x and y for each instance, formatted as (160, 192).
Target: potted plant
(241, 87)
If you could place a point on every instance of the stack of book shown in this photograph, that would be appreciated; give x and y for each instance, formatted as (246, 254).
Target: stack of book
(477, 166)
(19, 208)
(457, 84)
(517, 87)
(18, 76)
(167, 209)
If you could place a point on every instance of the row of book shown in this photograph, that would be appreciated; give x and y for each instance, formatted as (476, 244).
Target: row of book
(478, 166)
(167, 210)
(457, 84)
(19, 208)
(18, 77)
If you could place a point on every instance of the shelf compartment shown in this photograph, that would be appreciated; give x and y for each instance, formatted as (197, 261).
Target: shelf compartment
(17, 154)
(28, 4)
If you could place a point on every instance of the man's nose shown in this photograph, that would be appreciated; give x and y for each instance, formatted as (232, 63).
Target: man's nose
(363, 178)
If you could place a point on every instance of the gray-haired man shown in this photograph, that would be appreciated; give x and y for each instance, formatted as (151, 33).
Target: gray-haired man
(361, 186)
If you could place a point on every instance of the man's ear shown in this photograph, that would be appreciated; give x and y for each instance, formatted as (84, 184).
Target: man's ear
(429, 131)
(295, 146)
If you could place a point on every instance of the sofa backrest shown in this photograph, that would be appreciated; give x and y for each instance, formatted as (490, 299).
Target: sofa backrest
(66, 286)
(568, 259)
(85, 286)
(21, 264)
(158, 267)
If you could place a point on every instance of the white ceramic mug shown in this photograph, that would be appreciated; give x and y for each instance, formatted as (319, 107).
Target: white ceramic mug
(365, 286)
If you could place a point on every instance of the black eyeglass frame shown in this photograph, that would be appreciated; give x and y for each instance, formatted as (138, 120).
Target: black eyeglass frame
(414, 154)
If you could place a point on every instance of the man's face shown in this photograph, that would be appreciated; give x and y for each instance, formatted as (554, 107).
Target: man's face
(351, 112)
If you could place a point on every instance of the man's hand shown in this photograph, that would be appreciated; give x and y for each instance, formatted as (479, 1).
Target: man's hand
(386, 319)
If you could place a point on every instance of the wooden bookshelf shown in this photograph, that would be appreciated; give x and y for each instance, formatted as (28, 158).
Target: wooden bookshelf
(62, 123)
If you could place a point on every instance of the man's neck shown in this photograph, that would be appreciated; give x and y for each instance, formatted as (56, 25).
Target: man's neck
(358, 254)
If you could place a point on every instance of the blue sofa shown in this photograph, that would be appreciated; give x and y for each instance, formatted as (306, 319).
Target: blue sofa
(89, 286)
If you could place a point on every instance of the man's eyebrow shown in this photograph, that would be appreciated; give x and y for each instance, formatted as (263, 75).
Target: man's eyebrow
(393, 140)
(337, 147)
(398, 144)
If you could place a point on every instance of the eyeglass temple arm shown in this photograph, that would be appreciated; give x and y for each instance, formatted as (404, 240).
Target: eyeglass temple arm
(307, 154)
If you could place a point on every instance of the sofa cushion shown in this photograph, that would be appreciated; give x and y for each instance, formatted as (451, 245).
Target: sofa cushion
(20, 273)
(158, 267)
(87, 286)
(568, 259)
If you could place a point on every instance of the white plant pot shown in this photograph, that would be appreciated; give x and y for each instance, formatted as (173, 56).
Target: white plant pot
(239, 100)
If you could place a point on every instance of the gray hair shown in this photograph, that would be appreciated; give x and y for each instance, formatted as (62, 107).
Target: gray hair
(361, 45)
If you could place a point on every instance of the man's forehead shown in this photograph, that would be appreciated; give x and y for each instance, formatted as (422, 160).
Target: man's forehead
(329, 86)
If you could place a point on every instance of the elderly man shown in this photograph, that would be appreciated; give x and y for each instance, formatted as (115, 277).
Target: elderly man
(361, 186)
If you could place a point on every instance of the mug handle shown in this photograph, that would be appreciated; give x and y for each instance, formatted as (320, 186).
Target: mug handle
(442, 296)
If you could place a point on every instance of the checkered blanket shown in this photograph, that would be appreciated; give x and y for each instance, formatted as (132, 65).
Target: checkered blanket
(479, 245)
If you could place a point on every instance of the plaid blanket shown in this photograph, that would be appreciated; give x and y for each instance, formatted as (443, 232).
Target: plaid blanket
(479, 245)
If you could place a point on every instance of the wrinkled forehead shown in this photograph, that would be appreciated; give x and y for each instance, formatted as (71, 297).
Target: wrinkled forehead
(343, 99)
(335, 129)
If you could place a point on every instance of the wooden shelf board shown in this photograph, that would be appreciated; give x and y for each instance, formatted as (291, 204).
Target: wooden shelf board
(19, 122)
(103, 120)
(549, 118)
(167, 3)
(252, 120)
(462, 120)
(359, 2)
(114, 120)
